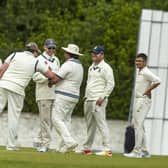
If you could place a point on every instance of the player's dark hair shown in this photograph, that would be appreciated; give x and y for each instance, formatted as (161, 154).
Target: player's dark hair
(73, 56)
(29, 49)
(143, 56)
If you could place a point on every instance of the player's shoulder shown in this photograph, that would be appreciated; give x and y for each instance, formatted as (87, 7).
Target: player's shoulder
(107, 66)
(146, 71)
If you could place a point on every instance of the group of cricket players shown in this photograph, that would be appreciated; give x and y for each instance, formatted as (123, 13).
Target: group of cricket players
(58, 92)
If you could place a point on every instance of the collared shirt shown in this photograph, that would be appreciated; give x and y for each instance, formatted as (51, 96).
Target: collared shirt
(144, 79)
(43, 92)
(100, 81)
(71, 73)
(21, 68)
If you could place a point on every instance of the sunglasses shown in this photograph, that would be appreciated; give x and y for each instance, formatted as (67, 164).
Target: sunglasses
(51, 48)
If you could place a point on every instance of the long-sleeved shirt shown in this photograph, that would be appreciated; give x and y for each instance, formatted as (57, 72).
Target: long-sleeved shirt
(100, 81)
(144, 79)
(43, 92)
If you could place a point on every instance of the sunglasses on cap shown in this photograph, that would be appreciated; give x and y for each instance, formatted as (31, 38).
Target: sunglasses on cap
(51, 48)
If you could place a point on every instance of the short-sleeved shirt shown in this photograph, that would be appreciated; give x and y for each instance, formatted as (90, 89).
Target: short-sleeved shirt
(43, 92)
(100, 82)
(144, 79)
(71, 73)
(21, 67)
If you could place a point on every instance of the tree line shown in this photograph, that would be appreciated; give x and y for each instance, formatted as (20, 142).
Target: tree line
(111, 23)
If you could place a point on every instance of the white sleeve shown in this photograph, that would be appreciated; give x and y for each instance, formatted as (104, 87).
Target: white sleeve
(150, 76)
(40, 67)
(110, 83)
(9, 58)
(39, 78)
(64, 70)
(56, 65)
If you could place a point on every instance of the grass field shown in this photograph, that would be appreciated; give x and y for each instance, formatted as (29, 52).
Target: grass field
(29, 158)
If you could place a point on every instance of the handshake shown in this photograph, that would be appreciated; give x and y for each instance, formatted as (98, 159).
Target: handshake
(51, 82)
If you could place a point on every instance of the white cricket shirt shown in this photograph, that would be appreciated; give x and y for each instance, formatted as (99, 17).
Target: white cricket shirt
(100, 81)
(43, 92)
(144, 79)
(71, 73)
(22, 65)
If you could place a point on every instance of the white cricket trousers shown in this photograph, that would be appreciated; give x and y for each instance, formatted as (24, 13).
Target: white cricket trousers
(3, 100)
(141, 108)
(15, 105)
(45, 113)
(95, 117)
(61, 119)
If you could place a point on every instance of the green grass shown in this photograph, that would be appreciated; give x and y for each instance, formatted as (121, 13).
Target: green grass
(29, 158)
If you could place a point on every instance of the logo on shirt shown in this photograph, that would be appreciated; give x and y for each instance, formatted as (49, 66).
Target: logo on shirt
(98, 69)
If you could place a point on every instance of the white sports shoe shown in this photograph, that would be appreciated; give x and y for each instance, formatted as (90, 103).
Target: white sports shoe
(69, 148)
(12, 148)
(42, 149)
(133, 155)
(146, 154)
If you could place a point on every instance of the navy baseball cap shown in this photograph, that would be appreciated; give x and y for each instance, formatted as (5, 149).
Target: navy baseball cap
(50, 43)
(98, 49)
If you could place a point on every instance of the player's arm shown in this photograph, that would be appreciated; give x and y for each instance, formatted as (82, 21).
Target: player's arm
(3, 68)
(60, 75)
(155, 83)
(110, 83)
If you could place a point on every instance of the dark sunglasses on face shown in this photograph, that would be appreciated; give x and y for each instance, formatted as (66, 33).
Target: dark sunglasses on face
(51, 48)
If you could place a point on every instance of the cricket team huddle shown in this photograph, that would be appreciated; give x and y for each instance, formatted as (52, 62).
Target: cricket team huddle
(58, 92)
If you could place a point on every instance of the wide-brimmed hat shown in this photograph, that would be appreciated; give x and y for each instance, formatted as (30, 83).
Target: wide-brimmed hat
(33, 46)
(72, 49)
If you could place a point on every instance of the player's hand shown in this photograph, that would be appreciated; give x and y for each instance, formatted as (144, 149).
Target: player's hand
(148, 93)
(99, 101)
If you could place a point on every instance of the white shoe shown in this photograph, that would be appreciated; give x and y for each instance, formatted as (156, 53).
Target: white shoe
(146, 154)
(42, 149)
(36, 144)
(69, 148)
(12, 148)
(133, 155)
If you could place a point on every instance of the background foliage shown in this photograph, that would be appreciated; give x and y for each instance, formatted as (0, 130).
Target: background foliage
(111, 23)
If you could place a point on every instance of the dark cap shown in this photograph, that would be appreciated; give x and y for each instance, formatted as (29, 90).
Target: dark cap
(98, 49)
(50, 43)
(32, 46)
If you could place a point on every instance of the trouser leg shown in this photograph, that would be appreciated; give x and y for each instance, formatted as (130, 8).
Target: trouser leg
(45, 109)
(142, 106)
(61, 109)
(3, 99)
(100, 117)
(90, 123)
(15, 105)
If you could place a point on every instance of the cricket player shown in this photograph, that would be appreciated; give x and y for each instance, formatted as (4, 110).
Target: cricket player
(145, 82)
(69, 79)
(15, 75)
(100, 84)
(3, 100)
(45, 96)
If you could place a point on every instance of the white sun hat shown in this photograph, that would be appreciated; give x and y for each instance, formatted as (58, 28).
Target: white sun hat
(72, 49)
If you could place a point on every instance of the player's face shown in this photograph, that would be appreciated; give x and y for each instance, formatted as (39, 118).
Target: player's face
(140, 63)
(66, 56)
(96, 58)
(49, 50)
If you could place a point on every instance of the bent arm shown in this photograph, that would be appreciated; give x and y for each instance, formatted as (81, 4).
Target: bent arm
(3, 68)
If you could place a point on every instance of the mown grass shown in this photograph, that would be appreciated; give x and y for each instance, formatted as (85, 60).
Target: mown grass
(29, 158)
